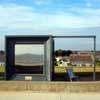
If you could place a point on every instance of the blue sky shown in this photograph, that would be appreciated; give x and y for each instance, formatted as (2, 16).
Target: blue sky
(53, 17)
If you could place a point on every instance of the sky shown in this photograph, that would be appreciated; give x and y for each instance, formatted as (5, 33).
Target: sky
(50, 17)
(37, 49)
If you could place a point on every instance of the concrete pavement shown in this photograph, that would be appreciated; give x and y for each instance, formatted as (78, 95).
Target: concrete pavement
(48, 96)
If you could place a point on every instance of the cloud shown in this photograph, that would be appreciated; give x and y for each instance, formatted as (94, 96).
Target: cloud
(93, 1)
(22, 17)
(18, 19)
(24, 49)
(88, 4)
(72, 44)
(88, 12)
(42, 2)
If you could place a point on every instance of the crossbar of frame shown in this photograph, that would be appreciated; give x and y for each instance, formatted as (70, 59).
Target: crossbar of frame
(88, 36)
(94, 48)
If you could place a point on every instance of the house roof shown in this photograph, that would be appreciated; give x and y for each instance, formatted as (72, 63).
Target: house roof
(81, 58)
(97, 54)
(2, 57)
(85, 53)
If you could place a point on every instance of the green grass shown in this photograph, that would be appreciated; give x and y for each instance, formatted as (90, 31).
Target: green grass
(2, 69)
(58, 69)
(77, 69)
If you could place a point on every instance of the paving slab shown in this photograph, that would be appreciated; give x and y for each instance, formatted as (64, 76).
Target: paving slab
(48, 96)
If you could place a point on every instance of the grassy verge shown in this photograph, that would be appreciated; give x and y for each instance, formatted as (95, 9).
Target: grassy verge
(62, 69)
(2, 69)
(76, 69)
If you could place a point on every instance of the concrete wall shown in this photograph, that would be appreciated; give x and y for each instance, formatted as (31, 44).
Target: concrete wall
(50, 87)
(28, 90)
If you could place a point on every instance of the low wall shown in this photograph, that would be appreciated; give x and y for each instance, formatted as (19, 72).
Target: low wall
(50, 87)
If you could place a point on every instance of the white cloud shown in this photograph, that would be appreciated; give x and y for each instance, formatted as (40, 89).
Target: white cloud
(93, 2)
(88, 4)
(18, 19)
(34, 49)
(15, 17)
(42, 2)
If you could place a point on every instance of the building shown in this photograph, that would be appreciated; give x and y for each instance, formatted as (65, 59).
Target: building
(98, 55)
(2, 64)
(85, 53)
(81, 60)
(63, 61)
(2, 58)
